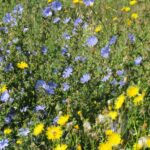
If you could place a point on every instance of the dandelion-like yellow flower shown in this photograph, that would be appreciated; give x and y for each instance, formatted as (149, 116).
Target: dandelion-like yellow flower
(98, 29)
(19, 141)
(3, 88)
(132, 91)
(119, 102)
(113, 115)
(126, 9)
(49, 1)
(129, 22)
(138, 99)
(63, 120)
(38, 129)
(137, 146)
(105, 146)
(133, 2)
(79, 113)
(76, 127)
(114, 139)
(79, 147)
(61, 147)
(54, 133)
(148, 143)
(22, 65)
(134, 16)
(108, 132)
(7, 131)
(77, 1)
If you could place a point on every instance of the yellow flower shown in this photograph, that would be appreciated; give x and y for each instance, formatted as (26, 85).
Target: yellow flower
(129, 22)
(137, 100)
(79, 113)
(79, 147)
(114, 139)
(63, 120)
(98, 29)
(22, 65)
(108, 132)
(148, 143)
(115, 19)
(49, 1)
(137, 146)
(113, 115)
(7, 131)
(19, 141)
(54, 132)
(134, 16)
(120, 101)
(3, 88)
(77, 1)
(132, 91)
(126, 9)
(61, 147)
(38, 129)
(105, 146)
(133, 2)
(76, 127)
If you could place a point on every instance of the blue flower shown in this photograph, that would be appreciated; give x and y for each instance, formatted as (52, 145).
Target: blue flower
(120, 72)
(8, 68)
(52, 84)
(85, 78)
(55, 120)
(114, 82)
(56, 20)
(105, 51)
(77, 22)
(8, 119)
(49, 90)
(40, 108)
(64, 51)
(80, 58)
(131, 38)
(113, 40)
(24, 131)
(66, 36)
(56, 6)
(5, 96)
(47, 12)
(3, 144)
(66, 86)
(88, 2)
(8, 18)
(18, 9)
(40, 83)
(67, 72)
(44, 50)
(106, 78)
(138, 60)
(92, 41)
(122, 83)
(66, 20)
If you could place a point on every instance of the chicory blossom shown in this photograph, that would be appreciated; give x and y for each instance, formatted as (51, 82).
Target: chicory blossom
(3, 144)
(88, 2)
(67, 72)
(85, 78)
(105, 51)
(47, 12)
(138, 60)
(56, 6)
(92, 41)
